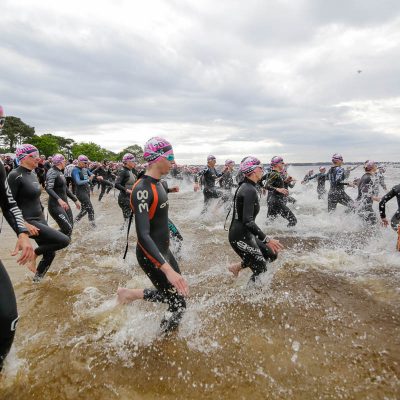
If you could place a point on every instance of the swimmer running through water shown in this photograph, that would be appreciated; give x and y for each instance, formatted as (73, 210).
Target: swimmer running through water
(8, 304)
(149, 201)
(26, 191)
(56, 187)
(254, 247)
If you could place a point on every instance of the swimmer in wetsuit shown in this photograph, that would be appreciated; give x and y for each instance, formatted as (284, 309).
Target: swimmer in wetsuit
(227, 183)
(150, 203)
(26, 191)
(8, 304)
(103, 171)
(395, 221)
(368, 193)
(127, 176)
(321, 178)
(209, 175)
(254, 247)
(56, 187)
(276, 193)
(336, 176)
(82, 177)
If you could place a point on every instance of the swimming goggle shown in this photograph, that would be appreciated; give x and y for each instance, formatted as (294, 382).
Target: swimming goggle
(170, 157)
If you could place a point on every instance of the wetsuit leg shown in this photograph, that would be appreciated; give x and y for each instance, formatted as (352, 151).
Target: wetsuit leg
(395, 221)
(208, 195)
(49, 241)
(86, 205)
(63, 218)
(109, 186)
(124, 203)
(368, 215)
(8, 314)
(279, 208)
(164, 292)
(103, 190)
(254, 253)
(341, 197)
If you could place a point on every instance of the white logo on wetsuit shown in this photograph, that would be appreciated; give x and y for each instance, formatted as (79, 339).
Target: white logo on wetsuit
(256, 252)
(164, 204)
(142, 195)
(14, 324)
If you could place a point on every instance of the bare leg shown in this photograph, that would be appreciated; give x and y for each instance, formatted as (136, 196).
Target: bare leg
(125, 295)
(235, 269)
(32, 263)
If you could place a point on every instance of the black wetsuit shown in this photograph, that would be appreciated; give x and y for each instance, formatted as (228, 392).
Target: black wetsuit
(227, 183)
(56, 187)
(276, 201)
(394, 192)
(26, 191)
(105, 184)
(336, 176)
(209, 175)
(80, 177)
(367, 188)
(8, 304)
(150, 204)
(245, 237)
(321, 179)
(125, 180)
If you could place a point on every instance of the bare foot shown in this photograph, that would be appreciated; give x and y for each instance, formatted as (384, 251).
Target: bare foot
(235, 269)
(32, 264)
(125, 296)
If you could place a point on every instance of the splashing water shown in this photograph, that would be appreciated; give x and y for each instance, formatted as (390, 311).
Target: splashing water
(322, 323)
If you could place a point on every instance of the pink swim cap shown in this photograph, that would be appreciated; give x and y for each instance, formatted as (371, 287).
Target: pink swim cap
(369, 165)
(229, 162)
(155, 148)
(322, 169)
(210, 158)
(25, 150)
(2, 113)
(128, 157)
(249, 164)
(337, 157)
(58, 159)
(83, 158)
(276, 160)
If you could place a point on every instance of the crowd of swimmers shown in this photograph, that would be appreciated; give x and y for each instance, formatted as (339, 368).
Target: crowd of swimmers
(143, 197)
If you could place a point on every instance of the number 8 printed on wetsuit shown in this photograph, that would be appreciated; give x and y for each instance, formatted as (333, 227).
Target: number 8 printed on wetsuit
(143, 195)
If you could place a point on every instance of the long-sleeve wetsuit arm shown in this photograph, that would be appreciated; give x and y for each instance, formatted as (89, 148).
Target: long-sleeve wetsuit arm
(122, 178)
(248, 215)
(388, 196)
(77, 179)
(9, 206)
(71, 195)
(272, 182)
(142, 199)
(50, 182)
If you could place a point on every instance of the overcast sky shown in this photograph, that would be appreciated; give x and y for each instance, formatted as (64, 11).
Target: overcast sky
(302, 79)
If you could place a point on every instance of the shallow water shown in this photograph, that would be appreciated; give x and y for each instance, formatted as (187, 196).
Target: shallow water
(323, 324)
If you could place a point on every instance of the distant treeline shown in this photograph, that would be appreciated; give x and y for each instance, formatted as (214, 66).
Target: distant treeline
(16, 132)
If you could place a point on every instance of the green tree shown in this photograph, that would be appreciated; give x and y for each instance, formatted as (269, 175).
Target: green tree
(46, 144)
(93, 151)
(16, 132)
(134, 149)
